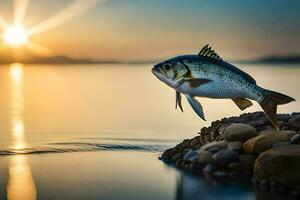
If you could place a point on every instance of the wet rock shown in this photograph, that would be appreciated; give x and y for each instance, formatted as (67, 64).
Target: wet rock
(281, 144)
(236, 146)
(195, 167)
(204, 156)
(247, 160)
(265, 141)
(179, 163)
(236, 166)
(296, 139)
(176, 157)
(209, 168)
(294, 122)
(225, 156)
(280, 165)
(191, 156)
(214, 146)
(239, 132)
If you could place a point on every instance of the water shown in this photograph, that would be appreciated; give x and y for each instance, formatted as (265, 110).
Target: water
(95, 132)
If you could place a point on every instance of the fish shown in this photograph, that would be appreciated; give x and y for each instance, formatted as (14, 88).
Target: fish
(207, 75)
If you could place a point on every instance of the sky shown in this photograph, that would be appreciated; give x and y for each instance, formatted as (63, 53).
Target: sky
(154, 29)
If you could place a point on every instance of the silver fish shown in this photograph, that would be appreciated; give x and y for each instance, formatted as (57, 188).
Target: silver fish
(207, 75)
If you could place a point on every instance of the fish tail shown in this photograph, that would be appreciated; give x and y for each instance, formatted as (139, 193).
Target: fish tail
(271, 101)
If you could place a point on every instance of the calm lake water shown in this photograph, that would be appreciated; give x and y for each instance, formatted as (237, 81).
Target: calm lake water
(96, 131)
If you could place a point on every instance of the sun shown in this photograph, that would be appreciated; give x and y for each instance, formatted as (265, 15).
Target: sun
(15, 36)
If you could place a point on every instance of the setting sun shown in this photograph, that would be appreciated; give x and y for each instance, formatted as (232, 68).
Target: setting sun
(15, 36)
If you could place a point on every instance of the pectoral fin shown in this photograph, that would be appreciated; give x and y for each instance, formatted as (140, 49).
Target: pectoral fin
(197, 107)
(178, 101)
(242, 103)
(196, 82)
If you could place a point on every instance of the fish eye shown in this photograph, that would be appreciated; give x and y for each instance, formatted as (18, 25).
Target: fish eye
(167, 66)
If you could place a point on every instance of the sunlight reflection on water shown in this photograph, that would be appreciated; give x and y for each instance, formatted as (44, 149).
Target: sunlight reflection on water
(20, 182)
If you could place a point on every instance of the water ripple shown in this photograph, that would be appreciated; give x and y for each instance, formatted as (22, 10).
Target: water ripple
(64, 147)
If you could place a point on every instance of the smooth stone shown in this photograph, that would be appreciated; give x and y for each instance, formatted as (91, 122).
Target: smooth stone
(247, 160)
(191, 155)
(225, 156)
(265, 141)
(295, 122)
(295, 139)
(281, 165)
(236, 146)
(214, 146)
(239, 132)
(281, 144)
(204, 157)
(209, 168)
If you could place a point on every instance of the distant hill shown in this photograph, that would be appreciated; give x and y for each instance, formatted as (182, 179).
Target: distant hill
(277, 60)
(28, 59)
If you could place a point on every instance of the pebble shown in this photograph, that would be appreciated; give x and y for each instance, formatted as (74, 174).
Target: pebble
(191, 155)
(295, 139)
(239, 132)
(281, 144)
(209, 168)
(236, 146)
(204, 156)
(225, 156)
(214, 146)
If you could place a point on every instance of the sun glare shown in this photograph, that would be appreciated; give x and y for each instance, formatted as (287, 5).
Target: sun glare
(15, 36)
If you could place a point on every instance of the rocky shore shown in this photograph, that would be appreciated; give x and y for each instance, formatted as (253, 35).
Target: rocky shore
(245, 146)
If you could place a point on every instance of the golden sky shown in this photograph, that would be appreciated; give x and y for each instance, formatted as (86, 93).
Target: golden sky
(153, 29)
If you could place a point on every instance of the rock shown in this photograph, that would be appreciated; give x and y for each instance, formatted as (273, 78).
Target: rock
(195, 141)
(296, 139)
(247, 160)
(225, 156)
(294, 122)
(237, 146)
(204, 156)
(209, 168)
(195, 167)
(280, 165)
(236, 166)
(214, 146)
(219, 174)
(265, 141)
(264, 184)
(168, 153)
(191, 156)
(179, 163)
(239, 132)
(281, 144)
(176, 157)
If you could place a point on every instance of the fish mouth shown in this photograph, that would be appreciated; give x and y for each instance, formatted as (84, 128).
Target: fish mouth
(158, 73)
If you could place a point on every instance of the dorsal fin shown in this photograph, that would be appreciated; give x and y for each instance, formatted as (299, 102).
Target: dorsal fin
(206, 51)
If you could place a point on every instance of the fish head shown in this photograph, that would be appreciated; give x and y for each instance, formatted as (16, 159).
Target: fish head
(170, 71)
